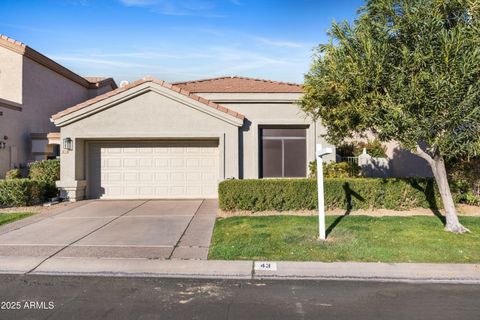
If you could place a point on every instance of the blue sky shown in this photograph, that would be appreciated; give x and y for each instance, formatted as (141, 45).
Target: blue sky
(176, 40)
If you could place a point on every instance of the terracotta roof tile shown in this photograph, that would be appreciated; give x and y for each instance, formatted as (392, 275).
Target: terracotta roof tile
(239, 85)
(13, 41)
(139, 82)
(95, 79)
(53, 135)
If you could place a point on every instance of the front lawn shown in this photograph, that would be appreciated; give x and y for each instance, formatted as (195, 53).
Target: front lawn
(354, 238)
(10, 217)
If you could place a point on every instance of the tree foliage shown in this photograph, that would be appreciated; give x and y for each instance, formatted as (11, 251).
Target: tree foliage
(408, 71)
(405, 70)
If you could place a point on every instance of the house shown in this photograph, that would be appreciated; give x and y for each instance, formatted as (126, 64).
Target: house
(152, 139)
(32, 88)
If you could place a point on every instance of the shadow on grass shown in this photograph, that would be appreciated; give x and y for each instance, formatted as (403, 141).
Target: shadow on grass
(429, 191)
(349, 193)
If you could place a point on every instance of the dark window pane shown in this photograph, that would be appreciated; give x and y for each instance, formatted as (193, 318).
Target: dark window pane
(295, 162)
(285, 132)
(272, 158)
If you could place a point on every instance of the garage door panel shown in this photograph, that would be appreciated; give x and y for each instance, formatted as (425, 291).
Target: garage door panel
(177, 190)
(128, 170)
(161, 191)
(194, 177)
(161, 163)
(145, 163)
(114, 191)
(177, 162)
(161, 177)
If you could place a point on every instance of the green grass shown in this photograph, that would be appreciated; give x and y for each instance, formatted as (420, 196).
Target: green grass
(10, 217)
(354, 238)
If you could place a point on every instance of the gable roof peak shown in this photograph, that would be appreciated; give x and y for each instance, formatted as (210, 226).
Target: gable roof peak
(136, 83)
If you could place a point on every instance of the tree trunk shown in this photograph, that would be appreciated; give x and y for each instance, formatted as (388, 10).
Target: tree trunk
(438, 168)
(452, 223)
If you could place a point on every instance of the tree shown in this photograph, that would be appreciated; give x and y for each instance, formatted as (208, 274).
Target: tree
(406, 71)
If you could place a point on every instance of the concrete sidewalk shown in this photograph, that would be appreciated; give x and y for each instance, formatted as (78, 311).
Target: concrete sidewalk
(215, 269)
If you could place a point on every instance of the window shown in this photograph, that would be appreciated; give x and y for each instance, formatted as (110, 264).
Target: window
(56, 152)
(283, 152)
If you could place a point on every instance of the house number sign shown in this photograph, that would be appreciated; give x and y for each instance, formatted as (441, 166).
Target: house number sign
(265, 265)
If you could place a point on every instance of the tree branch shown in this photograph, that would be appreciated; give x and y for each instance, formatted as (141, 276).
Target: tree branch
(422, 154)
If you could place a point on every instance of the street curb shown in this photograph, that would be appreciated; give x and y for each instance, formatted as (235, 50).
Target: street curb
(229, 277)
(378, 279)
(246, 270)
(211, 269)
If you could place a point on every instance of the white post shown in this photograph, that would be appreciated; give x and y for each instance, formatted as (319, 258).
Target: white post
(321, 201)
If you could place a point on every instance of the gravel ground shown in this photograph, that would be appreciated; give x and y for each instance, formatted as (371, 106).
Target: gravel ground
(34, 209)
(464, 210)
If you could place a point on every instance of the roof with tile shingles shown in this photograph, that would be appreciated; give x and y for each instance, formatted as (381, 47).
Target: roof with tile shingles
(139, 82)
(237, 84)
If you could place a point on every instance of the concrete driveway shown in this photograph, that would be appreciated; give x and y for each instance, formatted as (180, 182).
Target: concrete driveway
(153, 229)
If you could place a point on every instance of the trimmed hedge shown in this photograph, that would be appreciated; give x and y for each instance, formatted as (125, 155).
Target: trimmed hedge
(21, 192)
(13, 174)
(46, 172)
(349, 194)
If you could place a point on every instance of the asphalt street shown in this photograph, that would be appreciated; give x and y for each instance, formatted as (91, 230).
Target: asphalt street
(57, 297)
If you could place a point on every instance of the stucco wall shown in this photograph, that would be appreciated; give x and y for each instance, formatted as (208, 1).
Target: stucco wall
(10, 75)
(45, 93)
(41, 92)
(404, 163)
(13, 128)
(268, 109)
(92, 93)
(147, 116)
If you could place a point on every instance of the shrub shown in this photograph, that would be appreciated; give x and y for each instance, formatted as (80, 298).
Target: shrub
(21, 192)
(346, 149)
(47, 172)
(464, 178)
(13, 174)
(335, 170)
(374, 147)
(301, 194)
(341, 170)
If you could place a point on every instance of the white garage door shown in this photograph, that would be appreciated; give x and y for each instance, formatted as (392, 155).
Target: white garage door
(149, 170)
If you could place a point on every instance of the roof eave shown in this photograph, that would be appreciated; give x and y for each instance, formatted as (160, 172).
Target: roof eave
(61, 120)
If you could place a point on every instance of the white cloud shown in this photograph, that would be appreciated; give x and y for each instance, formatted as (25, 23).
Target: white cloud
(101, 62)
(199, 55)
(279, 43)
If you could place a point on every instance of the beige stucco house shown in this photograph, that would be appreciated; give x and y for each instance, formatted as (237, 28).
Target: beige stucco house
(32, 88)
(152, 139)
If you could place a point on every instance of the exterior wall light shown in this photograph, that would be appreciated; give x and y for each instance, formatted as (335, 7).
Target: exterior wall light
(3, 145)
(68, 144)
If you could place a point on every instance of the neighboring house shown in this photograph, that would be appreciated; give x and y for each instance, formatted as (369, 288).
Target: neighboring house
(152, 139)
(32, 88)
